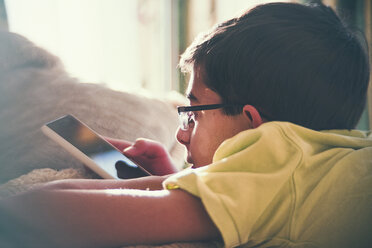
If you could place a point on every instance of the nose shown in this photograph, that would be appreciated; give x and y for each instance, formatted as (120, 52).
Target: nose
(183, 136)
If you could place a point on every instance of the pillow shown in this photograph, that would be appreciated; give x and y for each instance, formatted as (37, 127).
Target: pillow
(35, 89)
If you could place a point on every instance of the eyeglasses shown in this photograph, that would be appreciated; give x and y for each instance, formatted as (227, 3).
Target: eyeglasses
(186, 113)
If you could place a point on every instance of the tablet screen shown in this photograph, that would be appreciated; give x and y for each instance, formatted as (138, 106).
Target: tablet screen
(97, 149)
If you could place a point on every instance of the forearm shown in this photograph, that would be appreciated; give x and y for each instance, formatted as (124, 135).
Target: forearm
(57, 218)
(97, 218)
(143, 183)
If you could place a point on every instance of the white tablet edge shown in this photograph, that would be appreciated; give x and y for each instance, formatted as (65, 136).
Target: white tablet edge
(76, 153)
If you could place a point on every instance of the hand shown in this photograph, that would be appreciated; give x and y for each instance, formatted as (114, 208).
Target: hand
(150, 154)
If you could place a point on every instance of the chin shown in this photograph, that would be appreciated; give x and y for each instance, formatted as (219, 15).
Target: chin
(189, 161)
(198, 165)
(195, 163)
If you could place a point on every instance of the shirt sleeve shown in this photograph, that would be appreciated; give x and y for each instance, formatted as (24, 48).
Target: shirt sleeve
(247, 189)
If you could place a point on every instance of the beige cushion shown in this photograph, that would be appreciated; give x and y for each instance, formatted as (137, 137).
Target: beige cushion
(35, 88)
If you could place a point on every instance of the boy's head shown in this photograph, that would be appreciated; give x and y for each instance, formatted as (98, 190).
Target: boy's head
(292, 62)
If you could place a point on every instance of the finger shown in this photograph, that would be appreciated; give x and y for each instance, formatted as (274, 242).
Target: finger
(119, 144)
(147, 148)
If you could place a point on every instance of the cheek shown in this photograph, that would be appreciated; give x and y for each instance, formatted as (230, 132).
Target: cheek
(203, 144)
(208, 138)
(200, 148)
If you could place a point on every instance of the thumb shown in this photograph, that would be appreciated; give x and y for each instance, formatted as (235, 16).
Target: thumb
(119, 144)
(145, 147)
(138, 148)
(131, 151)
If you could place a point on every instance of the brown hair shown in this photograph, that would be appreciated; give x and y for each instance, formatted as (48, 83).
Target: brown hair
(297, 63)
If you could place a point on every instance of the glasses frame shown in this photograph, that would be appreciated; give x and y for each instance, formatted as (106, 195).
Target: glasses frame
(183, 109)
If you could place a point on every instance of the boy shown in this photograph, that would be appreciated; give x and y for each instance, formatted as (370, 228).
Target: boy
(264, 89)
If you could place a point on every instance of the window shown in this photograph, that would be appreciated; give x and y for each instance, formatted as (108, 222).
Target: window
(126, 45)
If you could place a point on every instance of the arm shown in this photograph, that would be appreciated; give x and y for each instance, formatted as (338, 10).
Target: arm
(143, 183)
(86, 218)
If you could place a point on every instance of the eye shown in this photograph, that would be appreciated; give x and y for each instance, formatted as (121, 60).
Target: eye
(190, 117)
(196, 114)
(191, 120)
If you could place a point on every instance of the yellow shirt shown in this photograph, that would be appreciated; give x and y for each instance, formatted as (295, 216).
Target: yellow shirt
(285, 185)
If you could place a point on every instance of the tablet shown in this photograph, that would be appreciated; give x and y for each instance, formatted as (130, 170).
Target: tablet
(91, 149)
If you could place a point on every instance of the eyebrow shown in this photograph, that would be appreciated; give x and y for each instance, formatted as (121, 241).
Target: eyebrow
(191, 96)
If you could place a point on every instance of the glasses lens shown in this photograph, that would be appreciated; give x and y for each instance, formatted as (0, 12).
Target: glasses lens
(185, 119)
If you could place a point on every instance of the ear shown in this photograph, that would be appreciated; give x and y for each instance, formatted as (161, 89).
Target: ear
(252, 113)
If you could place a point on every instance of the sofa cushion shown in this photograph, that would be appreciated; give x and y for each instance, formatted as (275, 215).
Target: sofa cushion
(35, 89)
